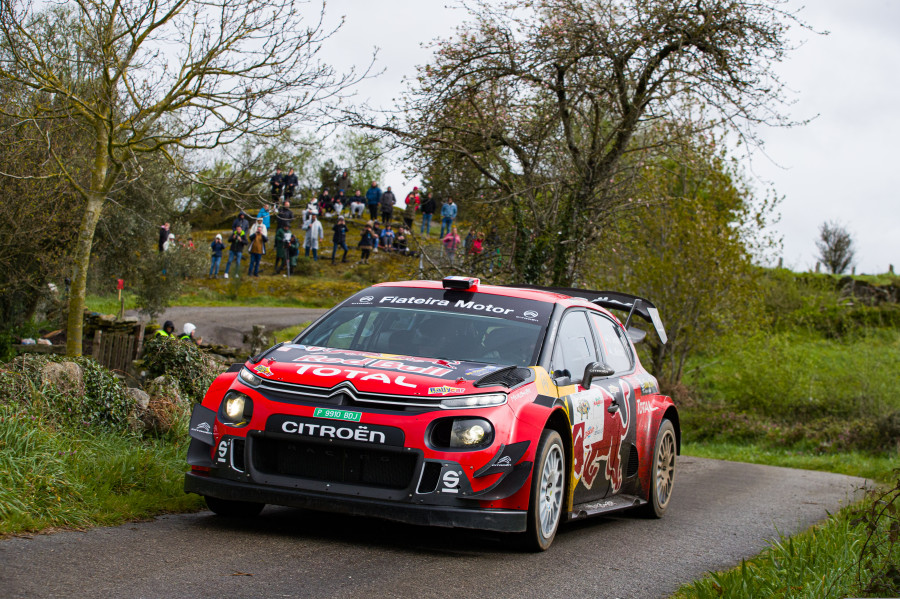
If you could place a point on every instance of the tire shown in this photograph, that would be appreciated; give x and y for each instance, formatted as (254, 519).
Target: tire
(548, 485)
(228, 508)
(662, 473)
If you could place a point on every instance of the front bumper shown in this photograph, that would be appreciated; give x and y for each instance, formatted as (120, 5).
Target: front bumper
(428, 515)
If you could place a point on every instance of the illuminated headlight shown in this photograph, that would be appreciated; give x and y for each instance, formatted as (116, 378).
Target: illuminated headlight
(475, 401)
(461, 433)
(249, 378)
(236, 409)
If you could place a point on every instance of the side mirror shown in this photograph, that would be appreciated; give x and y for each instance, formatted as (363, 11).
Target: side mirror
(636, 335)
(595, 369)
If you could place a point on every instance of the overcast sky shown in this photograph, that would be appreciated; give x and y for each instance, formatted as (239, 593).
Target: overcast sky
(840, 167)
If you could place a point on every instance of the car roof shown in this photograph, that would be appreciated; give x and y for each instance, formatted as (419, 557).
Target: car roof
(549, 297)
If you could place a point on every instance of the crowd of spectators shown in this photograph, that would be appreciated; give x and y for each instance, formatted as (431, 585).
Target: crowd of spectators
(389, 227)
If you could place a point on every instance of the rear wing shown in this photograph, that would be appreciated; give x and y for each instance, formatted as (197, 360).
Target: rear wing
(613, 300)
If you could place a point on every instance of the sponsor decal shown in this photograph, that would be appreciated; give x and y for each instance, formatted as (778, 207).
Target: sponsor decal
(203, 428)
(646, 407)
(284, 348)
(504, 462)
(263, 370)
(460, 304)
(222, 451)
(331, 430)
(520, 394)
(605, 504)
(444, 390)
(530, 314)
(337, 414)
(366, 299)
(583, 408)
(479, 372)
(359, 375)
(374, 362)
(450, 481)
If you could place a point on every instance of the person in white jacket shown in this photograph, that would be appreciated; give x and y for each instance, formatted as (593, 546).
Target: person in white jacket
(314, 234)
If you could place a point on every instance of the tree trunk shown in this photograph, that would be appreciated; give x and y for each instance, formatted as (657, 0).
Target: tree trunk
(94, 199)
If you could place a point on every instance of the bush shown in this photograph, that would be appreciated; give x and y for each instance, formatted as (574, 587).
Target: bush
(182, 361)
(103, 401)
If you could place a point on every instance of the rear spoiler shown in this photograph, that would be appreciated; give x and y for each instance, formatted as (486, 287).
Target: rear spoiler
(613, 300)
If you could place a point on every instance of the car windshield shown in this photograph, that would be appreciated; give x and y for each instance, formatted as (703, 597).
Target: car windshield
(429, 323)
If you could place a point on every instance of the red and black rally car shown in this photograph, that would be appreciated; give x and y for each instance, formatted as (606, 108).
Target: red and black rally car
(449, 404)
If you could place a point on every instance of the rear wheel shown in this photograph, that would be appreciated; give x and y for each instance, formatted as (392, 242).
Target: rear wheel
(547, 489)
(228, 508)
(662, 473)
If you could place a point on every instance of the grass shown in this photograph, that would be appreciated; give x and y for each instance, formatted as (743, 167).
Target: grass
(289, 333)
(52, 477)
(874, 466)
(852, 554)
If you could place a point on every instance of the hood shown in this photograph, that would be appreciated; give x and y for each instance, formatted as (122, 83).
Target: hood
(372, 372)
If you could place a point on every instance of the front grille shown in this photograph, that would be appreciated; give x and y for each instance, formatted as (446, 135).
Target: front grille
(237, 455)
(343, 394)
(333, 463)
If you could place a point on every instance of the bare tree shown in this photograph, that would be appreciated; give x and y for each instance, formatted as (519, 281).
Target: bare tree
(835, 247)
(148, 76)
(546, 97)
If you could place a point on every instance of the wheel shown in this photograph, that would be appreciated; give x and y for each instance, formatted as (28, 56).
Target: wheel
(228, 508)
(662, 473)
(547, 489)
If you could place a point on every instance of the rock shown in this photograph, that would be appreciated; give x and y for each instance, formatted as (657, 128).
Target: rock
(65, 376)
(141, 398)
(164, 387)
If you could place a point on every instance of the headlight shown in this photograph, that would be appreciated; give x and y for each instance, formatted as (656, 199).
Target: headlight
(236, 409)
(461, 433)
(249, 378)
(474, 401)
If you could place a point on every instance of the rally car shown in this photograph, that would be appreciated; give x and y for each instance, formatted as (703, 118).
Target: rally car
(447, 403)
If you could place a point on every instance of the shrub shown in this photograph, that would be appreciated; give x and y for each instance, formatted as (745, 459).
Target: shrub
(181, 360)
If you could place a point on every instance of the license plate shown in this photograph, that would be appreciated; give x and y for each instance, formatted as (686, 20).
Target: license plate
(337, 414)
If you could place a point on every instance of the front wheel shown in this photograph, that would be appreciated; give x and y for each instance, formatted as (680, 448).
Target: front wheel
(662, 473)
(228, 508)
(547, 489)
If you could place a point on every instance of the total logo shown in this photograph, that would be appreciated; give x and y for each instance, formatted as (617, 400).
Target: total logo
(645, 407)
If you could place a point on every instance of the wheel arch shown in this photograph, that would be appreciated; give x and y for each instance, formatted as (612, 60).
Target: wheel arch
(559, 422)
(671, 414)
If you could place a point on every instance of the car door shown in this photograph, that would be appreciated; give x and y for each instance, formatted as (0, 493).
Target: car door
(621, 406)
(575, 347)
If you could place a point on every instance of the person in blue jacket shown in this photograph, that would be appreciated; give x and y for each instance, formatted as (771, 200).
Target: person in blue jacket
(373, 199)
(448, 215)
(216, 246)
(265, 215)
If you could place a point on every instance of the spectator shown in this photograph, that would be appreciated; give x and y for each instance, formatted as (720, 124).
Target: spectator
(293, 251)
(307, 213)
(388, 199)
(467, 244)
(258, 239)
(357, 204)
(451, 242)
(188, 334)
(339, 238)
(276, 185)
(409, 213)
(237, 240)
(265, 216)
(314, 234)
(492, 244)
(167, 329)
(448, 215)
(340, 202)
(428, 208)
(290, 185)
(413, 197)
(401, 242)
(216, 246)
(373, 199)
(343, 182)
(281, 248)
(163, 236)
(170, 243)
(376, 231)
(366, 242)
(386, 240)
(325, 202)
(241, 221)
(285, 215)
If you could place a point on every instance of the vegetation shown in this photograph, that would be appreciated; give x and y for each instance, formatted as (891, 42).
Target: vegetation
(835, 247)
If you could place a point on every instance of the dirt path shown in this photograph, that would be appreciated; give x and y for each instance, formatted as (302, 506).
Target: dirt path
(227, 325)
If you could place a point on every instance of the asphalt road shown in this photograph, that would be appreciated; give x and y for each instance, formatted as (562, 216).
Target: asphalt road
(720, 512)
(227, 325)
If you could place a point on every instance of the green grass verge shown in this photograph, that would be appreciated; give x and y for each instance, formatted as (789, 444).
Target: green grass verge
(852, 554)
(875, 466)
(69, 478)
(288, 333)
